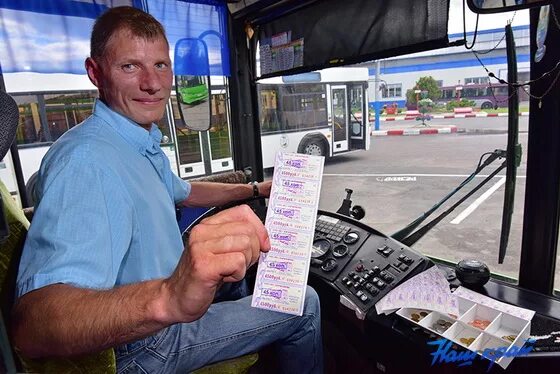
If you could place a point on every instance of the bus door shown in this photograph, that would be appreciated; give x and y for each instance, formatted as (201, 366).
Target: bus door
(201, 153)
(358, 117)
(218, 137)
(339, 118)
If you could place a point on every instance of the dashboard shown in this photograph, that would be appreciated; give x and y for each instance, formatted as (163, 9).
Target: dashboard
(362, 263)
(359, 262)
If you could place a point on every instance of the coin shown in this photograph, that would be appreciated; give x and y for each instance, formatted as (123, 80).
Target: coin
(440, 328)
(479, 323)
(423, 314)
(466, 341)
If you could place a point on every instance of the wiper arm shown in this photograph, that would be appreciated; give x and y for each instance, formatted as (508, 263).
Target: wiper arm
(413, 238)
(513, 147)
(403, 233)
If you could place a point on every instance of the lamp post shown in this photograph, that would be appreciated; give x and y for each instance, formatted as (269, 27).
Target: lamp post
(458, 89)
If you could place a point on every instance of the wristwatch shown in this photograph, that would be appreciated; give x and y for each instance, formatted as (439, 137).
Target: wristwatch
(255, 188)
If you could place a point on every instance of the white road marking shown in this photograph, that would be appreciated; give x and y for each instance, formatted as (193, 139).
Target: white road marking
(471, 208)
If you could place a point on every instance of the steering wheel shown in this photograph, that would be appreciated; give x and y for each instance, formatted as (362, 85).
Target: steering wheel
(256, 203)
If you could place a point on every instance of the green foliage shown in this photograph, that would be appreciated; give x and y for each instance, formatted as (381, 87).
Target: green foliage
(460, 104)
(428, 86)
(425, 105)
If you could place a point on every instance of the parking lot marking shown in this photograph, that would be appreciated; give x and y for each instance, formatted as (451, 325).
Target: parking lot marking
(471, 208)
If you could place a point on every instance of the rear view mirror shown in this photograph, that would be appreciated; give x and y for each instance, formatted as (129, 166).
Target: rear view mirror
(499, 6)
(193, 91)
(193, 94)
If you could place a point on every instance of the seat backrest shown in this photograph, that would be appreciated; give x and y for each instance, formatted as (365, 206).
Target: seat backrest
(30, 188)
(10, 253)
(11, 248)
(9, 117)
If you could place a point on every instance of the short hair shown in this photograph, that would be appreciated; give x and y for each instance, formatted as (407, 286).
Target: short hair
(138, 22)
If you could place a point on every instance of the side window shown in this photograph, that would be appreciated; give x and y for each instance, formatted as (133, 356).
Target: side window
(219, 128)
(477, 80)
(29, 128)
(268, 109)
(45, 117)
(392, 90)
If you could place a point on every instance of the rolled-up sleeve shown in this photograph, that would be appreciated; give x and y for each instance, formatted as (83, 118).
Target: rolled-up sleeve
(81, 229)
(181, 189)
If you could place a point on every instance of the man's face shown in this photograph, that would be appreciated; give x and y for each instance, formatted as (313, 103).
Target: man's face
(134, 76)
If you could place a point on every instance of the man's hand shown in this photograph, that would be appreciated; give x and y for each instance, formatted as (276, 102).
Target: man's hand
(220, 249)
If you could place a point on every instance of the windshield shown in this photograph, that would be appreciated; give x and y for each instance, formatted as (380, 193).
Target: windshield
(438, 116)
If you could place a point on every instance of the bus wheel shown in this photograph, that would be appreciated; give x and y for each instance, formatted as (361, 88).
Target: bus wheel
(314, 147)
(486, 105)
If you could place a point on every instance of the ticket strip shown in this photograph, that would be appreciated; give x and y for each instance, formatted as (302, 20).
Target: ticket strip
(292, 209)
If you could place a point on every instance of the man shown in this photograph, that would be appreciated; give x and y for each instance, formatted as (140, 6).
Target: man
(104, 266)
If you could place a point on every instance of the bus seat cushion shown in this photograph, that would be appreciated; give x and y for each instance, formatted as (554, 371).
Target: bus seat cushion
(99, 363)
(238, 365)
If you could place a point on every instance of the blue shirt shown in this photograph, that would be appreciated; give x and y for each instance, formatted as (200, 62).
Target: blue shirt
(106, 214)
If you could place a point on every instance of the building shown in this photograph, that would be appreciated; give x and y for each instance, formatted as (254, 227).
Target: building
(450, 66)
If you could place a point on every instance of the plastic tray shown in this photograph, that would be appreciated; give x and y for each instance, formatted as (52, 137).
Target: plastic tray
(476, 328)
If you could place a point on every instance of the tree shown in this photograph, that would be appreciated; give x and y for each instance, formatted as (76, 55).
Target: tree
(429, 88)
(424, 107)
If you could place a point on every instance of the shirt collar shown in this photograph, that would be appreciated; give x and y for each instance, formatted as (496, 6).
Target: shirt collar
(133, 133)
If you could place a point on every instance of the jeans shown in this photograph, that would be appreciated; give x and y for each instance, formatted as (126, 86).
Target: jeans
(229, 329)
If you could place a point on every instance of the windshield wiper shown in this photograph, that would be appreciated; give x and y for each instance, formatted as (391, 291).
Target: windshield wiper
(492, 156)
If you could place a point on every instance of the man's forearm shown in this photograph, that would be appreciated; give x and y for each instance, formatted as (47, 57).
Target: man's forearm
(209, 194)
(61, 320)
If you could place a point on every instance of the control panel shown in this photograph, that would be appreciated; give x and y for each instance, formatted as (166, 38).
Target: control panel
(362, 263)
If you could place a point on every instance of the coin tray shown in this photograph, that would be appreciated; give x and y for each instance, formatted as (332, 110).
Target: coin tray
(502, 329)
